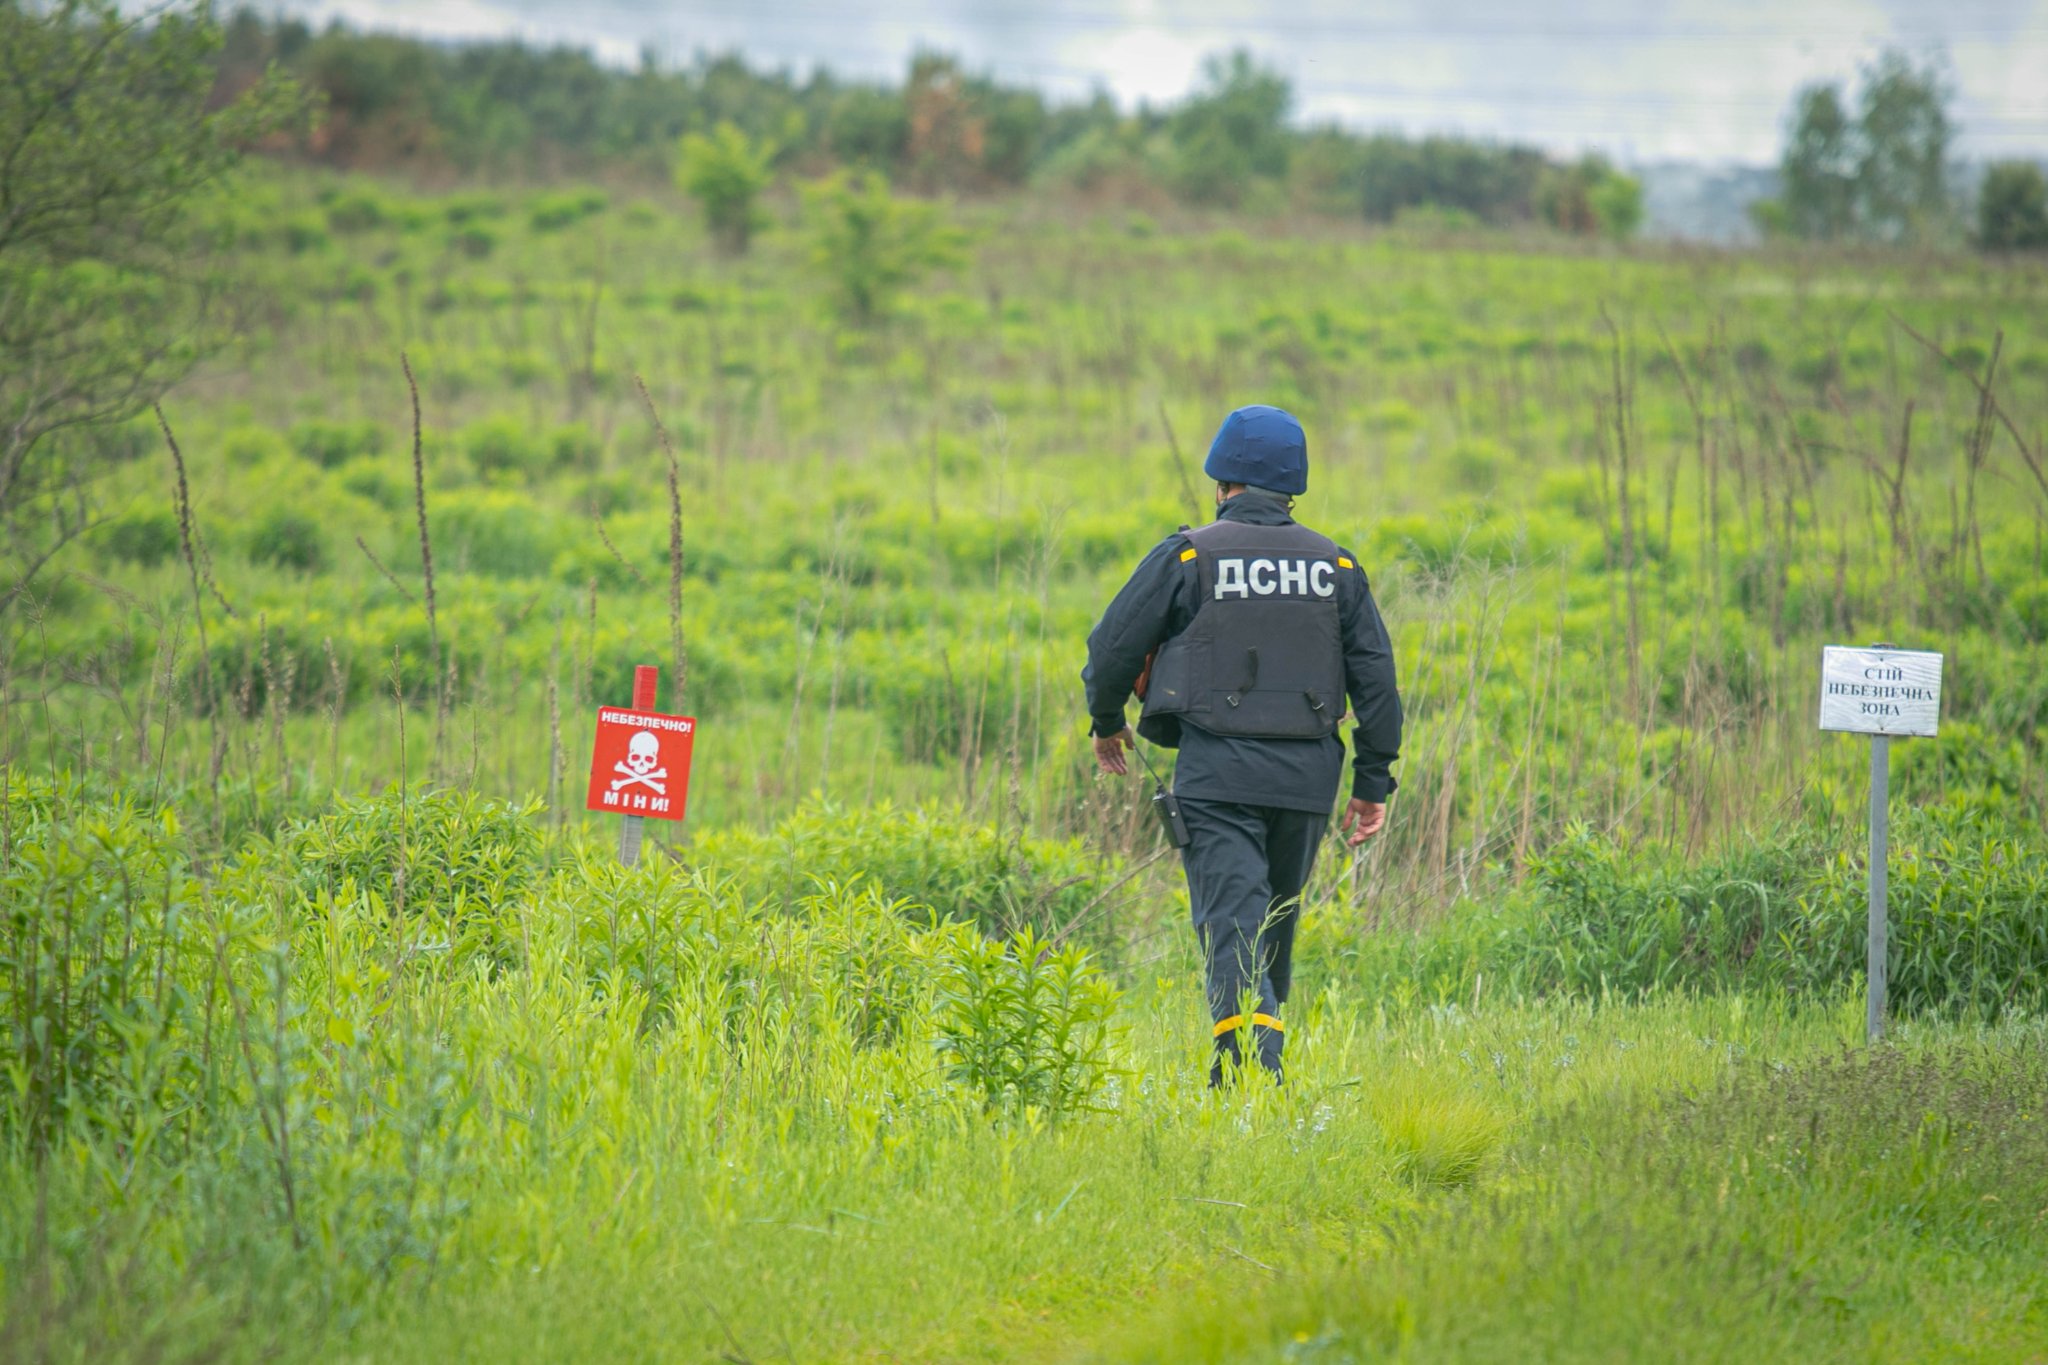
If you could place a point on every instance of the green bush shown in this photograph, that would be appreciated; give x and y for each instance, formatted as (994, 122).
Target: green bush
(357, 210)
(871, 245)
(495, 532)
(566, 208)
(305, 234)
(574, 446)
(462, 209)
(474, 240)
(843, 956)
(964, 872)
(1477, 464)
(379, 482)
(725, 172)
(329, 444)
(247, 447)
(505, 445)
(454, 857)
(1025, 1023)
(1782, 914)
(143, 538)
(286, 539)
(2029, 606)
(99, 934)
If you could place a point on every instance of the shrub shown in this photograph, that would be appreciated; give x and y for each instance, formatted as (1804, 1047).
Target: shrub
(495, 532)
(374, 481)
(143, 538)
(969, 873)
(329, 444)
(2029, 604)
(1100, 159)
(286, 539)
(472, 208)
(357, 210)
(553, 212)
(1477, 464)
(463, 860)
(871, 245)
(505, 445)
(726, 172)
(99, 932)
(473, 240)
(2012, 207)
(1785, 913)
(1024, 1023)
(247, 447)
(305, 234)
(574, 446)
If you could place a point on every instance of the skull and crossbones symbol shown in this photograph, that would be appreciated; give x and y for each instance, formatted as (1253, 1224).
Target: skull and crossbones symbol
(640, 767)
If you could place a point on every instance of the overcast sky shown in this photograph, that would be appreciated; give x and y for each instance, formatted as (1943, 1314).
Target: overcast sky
(1706, 80)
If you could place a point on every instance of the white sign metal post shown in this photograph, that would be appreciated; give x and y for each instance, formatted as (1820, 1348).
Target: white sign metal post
(1881, 692)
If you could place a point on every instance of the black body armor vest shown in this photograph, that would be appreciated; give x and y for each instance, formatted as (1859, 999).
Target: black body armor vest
(1263, 657)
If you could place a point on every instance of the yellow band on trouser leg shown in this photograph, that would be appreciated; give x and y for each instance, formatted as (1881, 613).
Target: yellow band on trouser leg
(1236, 1021)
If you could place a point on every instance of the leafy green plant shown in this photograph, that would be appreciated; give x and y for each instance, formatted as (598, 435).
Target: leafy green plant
(725, 173)
(144, 538)
(871, 245)
(474, 239)
(331, 444)
(2012, 208)
(102, 942)
(287, 539)
(455, 858)
(566, 208)
(952, 869)
(358, 209)
(500, 445)
(1787, 913)
(1024, 1023)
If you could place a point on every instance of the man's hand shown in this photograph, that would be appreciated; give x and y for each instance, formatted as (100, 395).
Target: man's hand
(1362, 819)
(1109, 751)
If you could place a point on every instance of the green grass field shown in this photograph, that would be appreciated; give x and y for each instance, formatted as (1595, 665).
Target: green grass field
(335, 1031)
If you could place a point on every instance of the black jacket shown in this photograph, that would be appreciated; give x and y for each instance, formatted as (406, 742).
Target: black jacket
(1157, 604)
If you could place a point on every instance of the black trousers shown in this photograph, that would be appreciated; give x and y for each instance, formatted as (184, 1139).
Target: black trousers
(1246, 867)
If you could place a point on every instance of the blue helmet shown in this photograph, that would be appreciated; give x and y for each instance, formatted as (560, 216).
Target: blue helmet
(1261, 446)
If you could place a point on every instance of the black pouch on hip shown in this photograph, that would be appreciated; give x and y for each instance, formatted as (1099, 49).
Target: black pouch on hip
(1166, 806)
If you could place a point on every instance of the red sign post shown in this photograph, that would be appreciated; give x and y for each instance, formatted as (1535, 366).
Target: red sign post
(640, 763)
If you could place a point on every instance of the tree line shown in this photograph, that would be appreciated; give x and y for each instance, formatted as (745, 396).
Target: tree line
(501, 108)
(1881, 170)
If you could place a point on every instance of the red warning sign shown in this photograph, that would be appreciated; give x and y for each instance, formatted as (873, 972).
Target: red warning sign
(640, 764)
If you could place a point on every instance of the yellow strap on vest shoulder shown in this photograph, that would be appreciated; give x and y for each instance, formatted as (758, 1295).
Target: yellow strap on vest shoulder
(1344, 563)
(1187, 554)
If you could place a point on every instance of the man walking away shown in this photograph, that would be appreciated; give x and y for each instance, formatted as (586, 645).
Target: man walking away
(1242, 639)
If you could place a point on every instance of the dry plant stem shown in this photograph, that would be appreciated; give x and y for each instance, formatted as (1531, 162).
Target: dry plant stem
(1623, 419)
(189, 553)
(404, 812)
(166, 688)
(597, 520)
(419, 502)
(1180, 467)
(2028, 453)
(1978, 450)
(389, 577)
(335, 694)
(273, 1113)
(555, 729)
(675, 549)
